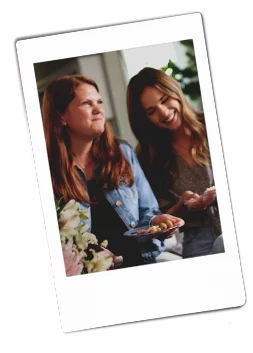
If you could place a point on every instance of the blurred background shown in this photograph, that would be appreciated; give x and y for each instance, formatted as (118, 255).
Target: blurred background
(113, 70)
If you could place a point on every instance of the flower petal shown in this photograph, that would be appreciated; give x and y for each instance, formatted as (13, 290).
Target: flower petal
(84, 215)
(69, 219)
(71, 205)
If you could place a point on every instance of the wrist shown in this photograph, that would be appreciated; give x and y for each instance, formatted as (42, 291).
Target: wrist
(183, 208)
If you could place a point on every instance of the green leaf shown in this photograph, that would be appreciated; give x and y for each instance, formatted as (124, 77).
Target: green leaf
(188, 73)
(173, 66)
(164, 68)
(192, 89)
(83, 217)
(187, 43)
(58, 204)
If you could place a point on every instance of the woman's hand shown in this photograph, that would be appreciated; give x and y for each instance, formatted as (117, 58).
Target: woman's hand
(179, 208)
(187, 196)
(163, 218)
(199, 203)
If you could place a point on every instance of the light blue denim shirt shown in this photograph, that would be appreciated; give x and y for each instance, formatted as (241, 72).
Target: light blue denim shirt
(136, 205)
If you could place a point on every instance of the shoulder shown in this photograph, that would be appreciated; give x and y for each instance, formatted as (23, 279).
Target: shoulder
(126, 148)
(124, 144)
(127, 151)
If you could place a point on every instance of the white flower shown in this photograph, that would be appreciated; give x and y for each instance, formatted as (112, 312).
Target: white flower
(84, 214)
(90, 238)
(101, 261)
(71, 205)
(71, 260)
(85, 239)
(68, 225)
(76, 239)
(69, 219)
(104, 244)
(82, 228)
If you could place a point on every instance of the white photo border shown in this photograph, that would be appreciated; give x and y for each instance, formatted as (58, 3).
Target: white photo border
(151, 291)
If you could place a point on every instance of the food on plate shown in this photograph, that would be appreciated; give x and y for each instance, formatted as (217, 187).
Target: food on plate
(169, 223)
(153, 229)
(142, 231)
(163, 226)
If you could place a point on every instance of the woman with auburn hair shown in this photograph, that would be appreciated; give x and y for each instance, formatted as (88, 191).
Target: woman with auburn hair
(88, 164)
(174, 154)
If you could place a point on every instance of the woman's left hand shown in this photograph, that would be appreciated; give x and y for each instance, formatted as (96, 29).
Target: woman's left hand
(163, 218)
(200, 203)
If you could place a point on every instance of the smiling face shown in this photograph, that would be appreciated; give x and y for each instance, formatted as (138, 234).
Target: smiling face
(161, 110)
(85, 116)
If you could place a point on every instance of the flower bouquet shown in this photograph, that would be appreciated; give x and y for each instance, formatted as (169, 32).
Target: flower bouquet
(81, 251)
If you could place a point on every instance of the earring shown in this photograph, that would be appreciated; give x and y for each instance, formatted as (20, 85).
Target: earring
(64, 124)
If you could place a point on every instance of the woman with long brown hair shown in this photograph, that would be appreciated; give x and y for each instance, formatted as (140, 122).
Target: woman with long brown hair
(88, 164)
(174, 154)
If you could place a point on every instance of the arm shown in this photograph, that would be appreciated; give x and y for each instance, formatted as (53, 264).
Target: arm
(172, 204)
(179, 209)
(149, 212)
(148, 205)
(188, 201)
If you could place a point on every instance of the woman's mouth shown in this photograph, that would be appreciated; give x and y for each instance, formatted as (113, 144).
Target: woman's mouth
(169, 118)
(98, 119)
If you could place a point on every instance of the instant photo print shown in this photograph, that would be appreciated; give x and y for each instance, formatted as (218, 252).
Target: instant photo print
(134, 259)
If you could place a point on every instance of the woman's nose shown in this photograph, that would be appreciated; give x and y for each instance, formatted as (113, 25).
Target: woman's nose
(96, 108)
(161, 109)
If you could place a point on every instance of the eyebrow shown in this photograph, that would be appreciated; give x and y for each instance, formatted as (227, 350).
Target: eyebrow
(160, 99)
(90, 99)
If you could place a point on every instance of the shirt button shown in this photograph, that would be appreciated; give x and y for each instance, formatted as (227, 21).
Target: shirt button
(133, 224)
(118, 203)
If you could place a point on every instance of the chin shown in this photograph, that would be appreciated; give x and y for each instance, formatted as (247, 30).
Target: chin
(176, 125)
(99, 132)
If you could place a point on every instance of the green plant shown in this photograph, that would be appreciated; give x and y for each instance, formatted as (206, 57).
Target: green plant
(187, 77)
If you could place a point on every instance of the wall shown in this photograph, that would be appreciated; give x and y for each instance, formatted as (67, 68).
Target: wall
(117, 83)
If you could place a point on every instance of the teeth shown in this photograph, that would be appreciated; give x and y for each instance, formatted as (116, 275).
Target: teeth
(170, 118)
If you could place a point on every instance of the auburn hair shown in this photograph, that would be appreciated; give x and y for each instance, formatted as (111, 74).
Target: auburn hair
(154, 149)
(66, 179)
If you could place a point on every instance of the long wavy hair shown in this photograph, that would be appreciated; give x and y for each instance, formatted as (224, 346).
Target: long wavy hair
(67, 181)
(154, 149)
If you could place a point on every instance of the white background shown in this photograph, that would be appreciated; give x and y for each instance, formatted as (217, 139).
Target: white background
(28, 313)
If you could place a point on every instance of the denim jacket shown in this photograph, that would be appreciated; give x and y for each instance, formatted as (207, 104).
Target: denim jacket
(136, 205)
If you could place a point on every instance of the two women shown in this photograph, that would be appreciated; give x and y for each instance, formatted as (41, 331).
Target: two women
(173, 152)
(88, 164)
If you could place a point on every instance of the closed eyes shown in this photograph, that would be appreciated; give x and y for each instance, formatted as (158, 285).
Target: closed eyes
(150, 112)
(163, 100)
(88, 102)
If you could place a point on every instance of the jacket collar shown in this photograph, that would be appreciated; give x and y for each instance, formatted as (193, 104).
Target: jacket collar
(97, 172)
